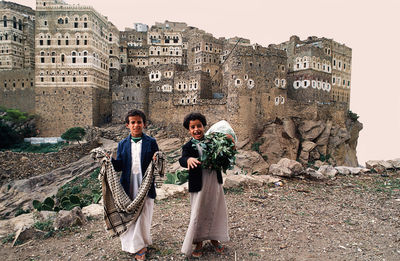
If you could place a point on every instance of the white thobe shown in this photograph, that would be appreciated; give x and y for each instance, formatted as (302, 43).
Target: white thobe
(138, 236)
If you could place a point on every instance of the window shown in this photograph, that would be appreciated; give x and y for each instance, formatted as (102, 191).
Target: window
(77, 42)
(40, 42)
(85, 42)
(62, 58)
(84, 59)
(60, 21)
(59, 42)
(48, 42)
(74, 79)
(85, 25)
(5, 21)
(67, 42)
(75, 25)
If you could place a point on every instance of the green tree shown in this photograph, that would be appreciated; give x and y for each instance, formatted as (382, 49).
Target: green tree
(14, 126)
(74, 134)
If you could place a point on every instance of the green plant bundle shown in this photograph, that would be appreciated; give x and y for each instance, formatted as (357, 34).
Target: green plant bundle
(218, 152)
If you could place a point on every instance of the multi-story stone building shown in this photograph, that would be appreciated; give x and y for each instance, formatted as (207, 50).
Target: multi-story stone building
(87, 72)
(318, 70)
(17, 27)
(75, 49)
(17, 30)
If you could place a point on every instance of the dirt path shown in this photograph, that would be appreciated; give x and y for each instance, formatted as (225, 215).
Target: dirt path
(350, 218)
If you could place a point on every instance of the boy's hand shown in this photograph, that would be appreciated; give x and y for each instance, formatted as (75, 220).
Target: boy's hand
(192, 163)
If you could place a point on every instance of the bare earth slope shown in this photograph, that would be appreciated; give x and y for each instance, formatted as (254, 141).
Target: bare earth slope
(349, 218)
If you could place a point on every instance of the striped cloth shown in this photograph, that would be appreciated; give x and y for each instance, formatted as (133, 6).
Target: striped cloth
(119, 210)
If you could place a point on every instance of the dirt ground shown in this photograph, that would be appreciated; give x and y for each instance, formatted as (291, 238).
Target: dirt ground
(349, 218)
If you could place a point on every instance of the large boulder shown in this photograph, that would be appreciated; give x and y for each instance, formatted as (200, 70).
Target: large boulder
(286, 168)
(65, 218)
(170, 190)
(251, 162)
(395, 163)
(93, 211)
(379, 165)
(314, 174)
(328, 171)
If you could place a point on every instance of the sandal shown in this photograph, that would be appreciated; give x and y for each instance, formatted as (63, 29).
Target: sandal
(141, 255)
(219, 248)
(197, 253)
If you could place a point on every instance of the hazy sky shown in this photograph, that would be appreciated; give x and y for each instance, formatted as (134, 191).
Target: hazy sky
(370, 28)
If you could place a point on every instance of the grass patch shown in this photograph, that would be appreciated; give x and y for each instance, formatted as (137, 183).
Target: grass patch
(42, 148)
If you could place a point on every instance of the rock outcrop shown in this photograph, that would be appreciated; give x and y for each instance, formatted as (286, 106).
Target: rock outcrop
(308, 140)
(18, 194)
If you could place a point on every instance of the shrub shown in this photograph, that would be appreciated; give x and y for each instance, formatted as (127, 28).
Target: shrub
(74, 134)
(353, 116)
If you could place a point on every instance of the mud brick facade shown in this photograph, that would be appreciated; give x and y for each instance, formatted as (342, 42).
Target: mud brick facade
(87, 72)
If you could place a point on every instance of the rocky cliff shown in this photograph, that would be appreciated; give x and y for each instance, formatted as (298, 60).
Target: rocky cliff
(309, 140)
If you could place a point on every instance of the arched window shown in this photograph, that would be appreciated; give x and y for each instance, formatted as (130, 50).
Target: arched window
(15, 22)
(5, 21)
(60, 21)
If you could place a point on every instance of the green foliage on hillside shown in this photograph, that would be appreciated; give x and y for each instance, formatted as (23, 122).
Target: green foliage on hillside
(81, 191)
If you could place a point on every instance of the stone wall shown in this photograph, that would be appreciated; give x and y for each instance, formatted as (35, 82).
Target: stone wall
(59, 109)
(17, 89)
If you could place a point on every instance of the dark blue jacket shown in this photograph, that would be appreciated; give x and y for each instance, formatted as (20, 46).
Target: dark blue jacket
(124, 160)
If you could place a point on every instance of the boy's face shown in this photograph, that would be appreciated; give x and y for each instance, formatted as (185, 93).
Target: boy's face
(135, 125)
(196, 129)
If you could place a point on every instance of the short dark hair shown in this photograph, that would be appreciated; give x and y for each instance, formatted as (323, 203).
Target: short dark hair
(192, 117)
(135, 113)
